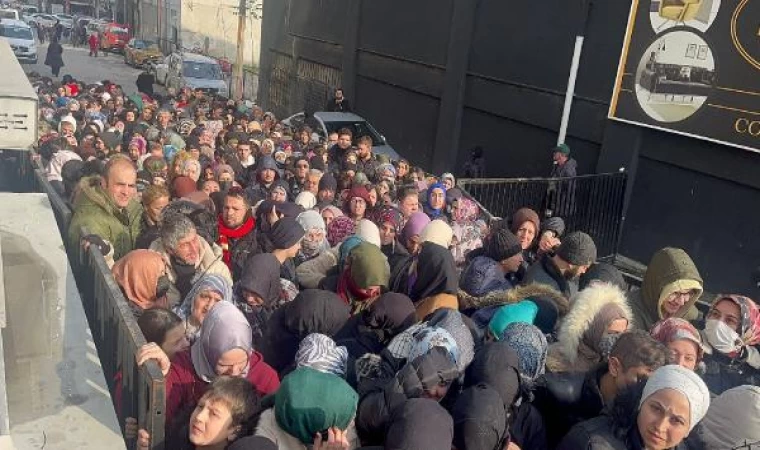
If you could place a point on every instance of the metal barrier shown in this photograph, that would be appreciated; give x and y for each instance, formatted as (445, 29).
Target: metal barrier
(589, 203)
(141, 390)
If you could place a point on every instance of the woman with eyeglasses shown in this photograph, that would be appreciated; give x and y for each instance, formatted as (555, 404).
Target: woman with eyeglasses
(224, 348)
(731, 331)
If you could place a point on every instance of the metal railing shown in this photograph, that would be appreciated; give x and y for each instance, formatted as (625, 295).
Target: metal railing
(140, 392)
(589, 203)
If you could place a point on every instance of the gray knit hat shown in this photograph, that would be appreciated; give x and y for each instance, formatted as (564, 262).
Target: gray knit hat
(578, 248)
(555, 224)
(501, 245)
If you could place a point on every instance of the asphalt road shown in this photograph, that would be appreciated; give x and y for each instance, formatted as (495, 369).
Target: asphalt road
(77, 63)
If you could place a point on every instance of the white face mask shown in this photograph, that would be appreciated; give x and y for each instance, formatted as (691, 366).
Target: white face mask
(721, 337)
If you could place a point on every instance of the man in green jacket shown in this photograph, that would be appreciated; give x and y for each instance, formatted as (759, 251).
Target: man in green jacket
(107, 206)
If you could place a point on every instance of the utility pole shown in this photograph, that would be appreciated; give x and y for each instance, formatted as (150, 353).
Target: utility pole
(237, 78)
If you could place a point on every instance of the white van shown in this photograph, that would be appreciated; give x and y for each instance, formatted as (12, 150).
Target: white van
(21, 38)
(9, 14)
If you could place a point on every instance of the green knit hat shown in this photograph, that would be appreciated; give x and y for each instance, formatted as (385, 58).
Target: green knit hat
(369, 267)
(562, 148)
(310, 401)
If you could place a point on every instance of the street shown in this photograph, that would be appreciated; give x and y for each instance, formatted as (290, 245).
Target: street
(78, 63)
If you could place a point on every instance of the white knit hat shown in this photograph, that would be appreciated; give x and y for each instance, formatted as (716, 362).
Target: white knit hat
(368, 231)
(437, 232)
(684, 381)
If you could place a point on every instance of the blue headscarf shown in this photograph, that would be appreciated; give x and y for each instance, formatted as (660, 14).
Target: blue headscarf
(349, 244)
(208, 282)
(435, 213)
(530, 345)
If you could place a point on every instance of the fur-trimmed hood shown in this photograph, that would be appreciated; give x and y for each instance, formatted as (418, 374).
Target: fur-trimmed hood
(585, 306)
(498, 298)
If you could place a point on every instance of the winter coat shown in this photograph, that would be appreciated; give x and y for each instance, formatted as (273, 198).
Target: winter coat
(268, 427)
(567, 170)
(150, 232)
(311, 273)
(615, 429)
(94, 209)
(723, 373)
(312, 311)
(545, 271)
(666, 268)
(486, 305)
(379, 398)
(257, 191)
(527, 428)
(571, 352)
(184, 387)
(54, 56)
(565, 399)
(240, 250)
(210, 262)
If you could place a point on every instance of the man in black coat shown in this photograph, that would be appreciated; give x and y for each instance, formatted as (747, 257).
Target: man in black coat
(339, 103)
(237, 233)
(562, 269)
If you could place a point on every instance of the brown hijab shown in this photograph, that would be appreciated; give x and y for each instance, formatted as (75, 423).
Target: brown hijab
(137, 273)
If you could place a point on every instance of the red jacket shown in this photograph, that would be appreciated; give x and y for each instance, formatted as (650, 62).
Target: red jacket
(184, 387)
(93, 41)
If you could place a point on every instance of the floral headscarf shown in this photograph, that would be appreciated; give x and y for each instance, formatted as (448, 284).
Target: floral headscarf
(465, 210)
(339, 229)
(749, 329)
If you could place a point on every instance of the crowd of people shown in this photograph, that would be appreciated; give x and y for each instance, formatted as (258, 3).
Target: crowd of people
(299, 291)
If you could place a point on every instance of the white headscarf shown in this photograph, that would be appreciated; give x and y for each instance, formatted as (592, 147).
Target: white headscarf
(684, 381)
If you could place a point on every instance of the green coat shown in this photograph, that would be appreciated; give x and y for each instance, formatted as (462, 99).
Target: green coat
(94, 209)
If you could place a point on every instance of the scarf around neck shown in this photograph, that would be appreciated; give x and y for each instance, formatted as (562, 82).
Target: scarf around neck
(226, 234)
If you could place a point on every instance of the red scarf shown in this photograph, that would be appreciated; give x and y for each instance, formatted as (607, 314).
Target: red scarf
(350, 293)
(226, 233)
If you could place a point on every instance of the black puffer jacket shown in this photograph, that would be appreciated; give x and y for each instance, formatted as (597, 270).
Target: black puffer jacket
(567, 398)
(380, 398)
(240, 250)
(723, 373)
(312, 311)
(545, 271)
(615, 429)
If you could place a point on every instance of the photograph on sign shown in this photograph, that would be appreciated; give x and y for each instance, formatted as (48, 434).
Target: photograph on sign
(699, 14)
(672, 83)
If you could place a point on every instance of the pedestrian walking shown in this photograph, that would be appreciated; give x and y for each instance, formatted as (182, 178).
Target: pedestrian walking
(94, 42)
(54, 57)
(58, 30)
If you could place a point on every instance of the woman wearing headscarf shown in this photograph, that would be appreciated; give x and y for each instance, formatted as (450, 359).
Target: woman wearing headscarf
(389, 221)
(209, 290)
(526, 225)
(312, 311)
(308, 403)
(673, 401)
(138, 274)
(597, 316)
(321, 353)
(531, 347)
(223, 347)
(357, 203)
(374, 328)
(671, 287)
(364, 276)
(330, 213)
(468, 230)
(339, 229)
(431, 280)
(435, 206)
(258, 292)
(420, 423)
(314, 241)
(732, 421)
(429, 372)
(682, 340)
(480, 420)
(731, 331)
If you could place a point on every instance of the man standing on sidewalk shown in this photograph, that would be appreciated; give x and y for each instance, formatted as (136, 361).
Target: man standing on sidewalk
(94, 42)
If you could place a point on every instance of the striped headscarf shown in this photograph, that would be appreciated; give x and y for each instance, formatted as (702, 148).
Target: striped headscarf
(319, 352)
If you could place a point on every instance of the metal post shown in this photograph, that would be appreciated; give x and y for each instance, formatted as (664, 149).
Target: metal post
(577, 51)
(237, 78)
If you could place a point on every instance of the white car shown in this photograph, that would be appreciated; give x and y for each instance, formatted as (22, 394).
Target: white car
(66, 20)
(19, 35)
(45, 20)
(9, 14)
(192, 70)
(329, 122)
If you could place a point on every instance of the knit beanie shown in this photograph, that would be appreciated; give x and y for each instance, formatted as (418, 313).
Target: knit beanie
(523, 215)
(555, 224)
(306, 199)
(285, 233)
(437, 232)
(603, 272)
(502, 244)
(523, 311)
(310, 220)
(685, 381)
(578, 249)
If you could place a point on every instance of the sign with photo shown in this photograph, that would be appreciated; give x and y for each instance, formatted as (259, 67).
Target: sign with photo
(692, 67)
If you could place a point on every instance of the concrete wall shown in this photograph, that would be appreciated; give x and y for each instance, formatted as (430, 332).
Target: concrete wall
(212, 25)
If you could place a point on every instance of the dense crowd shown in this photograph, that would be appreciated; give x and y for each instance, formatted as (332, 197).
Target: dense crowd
(299, 291)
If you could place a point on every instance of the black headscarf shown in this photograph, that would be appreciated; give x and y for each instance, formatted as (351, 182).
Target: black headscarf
(421, 424)
(312, 311)
(480, 421)
(373, 329)
(496, 364)
(436, 273)
(261, 276)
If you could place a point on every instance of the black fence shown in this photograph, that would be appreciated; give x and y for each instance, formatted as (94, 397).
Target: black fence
(137, 392)
(590, 203)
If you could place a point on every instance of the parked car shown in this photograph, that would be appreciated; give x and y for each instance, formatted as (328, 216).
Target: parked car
(28, 10)
(45, 20)
(192, 70)
(9, 14)
(19, 35)
(328, 122)
(114, 37)
(66, 20)
(138, 51)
